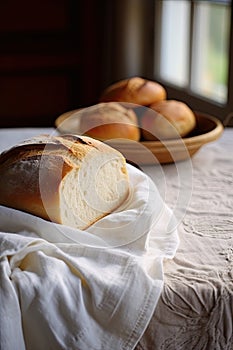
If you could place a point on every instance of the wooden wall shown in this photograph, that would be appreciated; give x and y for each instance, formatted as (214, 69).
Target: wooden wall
(50, 59)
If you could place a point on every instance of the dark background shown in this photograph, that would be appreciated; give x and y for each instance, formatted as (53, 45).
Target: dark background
(51, 58)
(59, 55)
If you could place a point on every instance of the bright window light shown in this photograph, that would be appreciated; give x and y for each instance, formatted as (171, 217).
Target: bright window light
(194, 47)
(210, 50)
(175, 41)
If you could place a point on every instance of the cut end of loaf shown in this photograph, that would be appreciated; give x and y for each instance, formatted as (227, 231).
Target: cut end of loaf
(93, 190)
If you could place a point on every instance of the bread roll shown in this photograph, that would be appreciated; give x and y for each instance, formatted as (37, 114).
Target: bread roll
(111, 120)
(167, 119)
(67, 179)
(134, 90)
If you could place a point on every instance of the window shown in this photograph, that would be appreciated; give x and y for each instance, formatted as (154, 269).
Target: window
(193, 57)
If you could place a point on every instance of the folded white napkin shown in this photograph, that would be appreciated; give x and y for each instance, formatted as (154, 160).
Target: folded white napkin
(62, 288)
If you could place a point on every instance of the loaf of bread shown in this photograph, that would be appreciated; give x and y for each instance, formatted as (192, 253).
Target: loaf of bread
(135, 90)
(110, 120)
(168, 119)
(71, 180)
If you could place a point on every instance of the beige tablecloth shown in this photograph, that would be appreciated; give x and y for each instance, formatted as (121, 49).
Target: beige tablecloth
(195, 310)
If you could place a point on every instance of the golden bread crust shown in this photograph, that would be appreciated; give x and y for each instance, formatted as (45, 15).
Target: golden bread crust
(134, 90)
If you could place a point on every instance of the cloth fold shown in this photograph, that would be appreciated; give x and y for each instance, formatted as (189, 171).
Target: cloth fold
(63, 288)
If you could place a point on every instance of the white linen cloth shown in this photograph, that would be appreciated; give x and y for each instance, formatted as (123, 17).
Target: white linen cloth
(62, 288)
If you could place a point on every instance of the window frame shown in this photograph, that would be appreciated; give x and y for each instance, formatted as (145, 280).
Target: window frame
(185, 94)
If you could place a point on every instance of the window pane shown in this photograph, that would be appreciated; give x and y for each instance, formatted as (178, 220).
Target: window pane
(210, 50)
(175, 41)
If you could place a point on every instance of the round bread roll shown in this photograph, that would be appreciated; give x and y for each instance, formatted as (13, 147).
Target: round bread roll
(167, 119)
(134, 90)
(71, 180)
(111, 120)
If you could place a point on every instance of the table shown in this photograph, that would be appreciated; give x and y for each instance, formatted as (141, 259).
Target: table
(195, 310)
